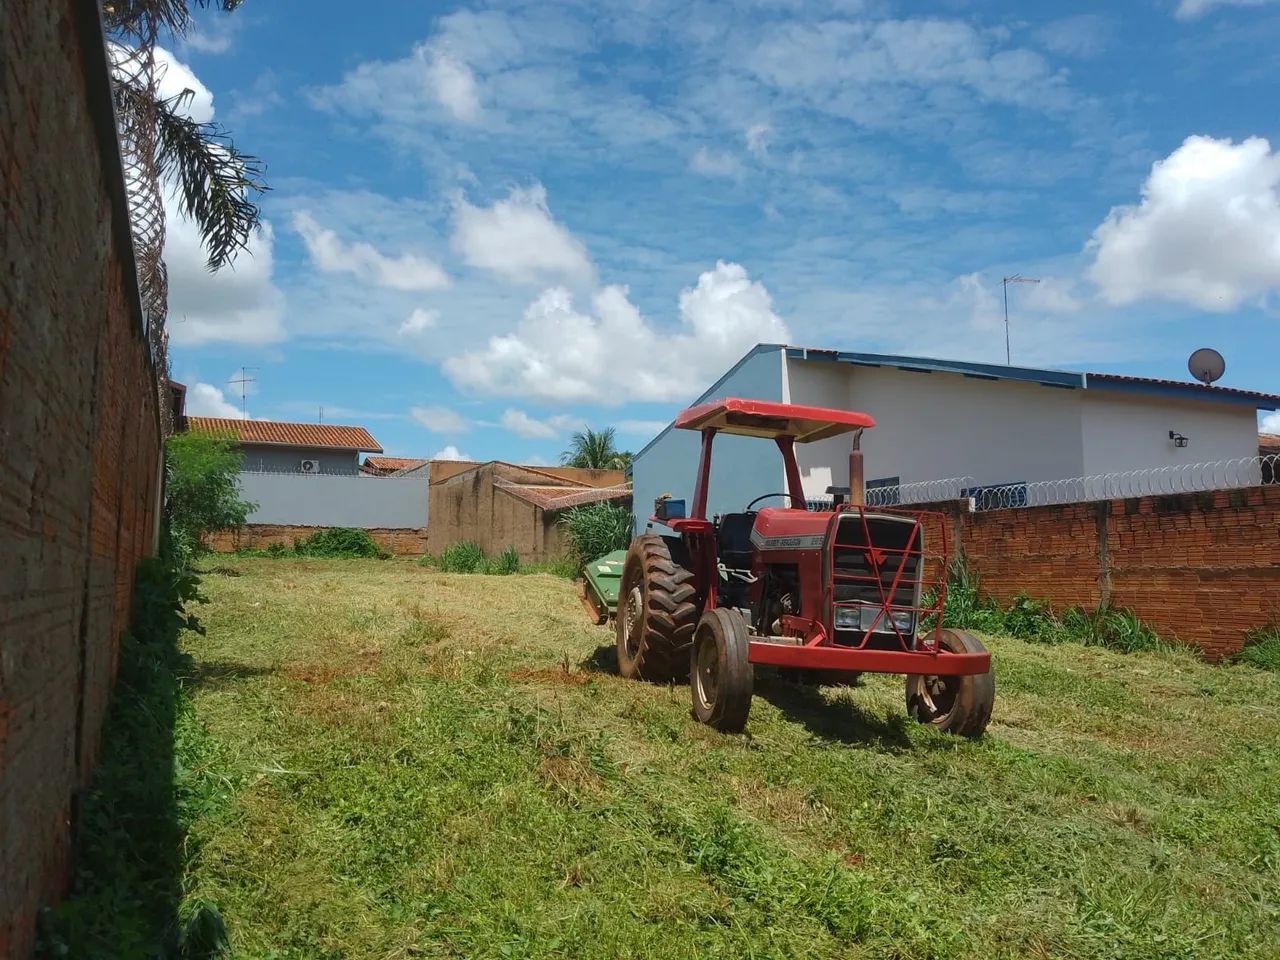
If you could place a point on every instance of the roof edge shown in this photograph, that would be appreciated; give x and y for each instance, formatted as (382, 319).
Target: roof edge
(706, 394)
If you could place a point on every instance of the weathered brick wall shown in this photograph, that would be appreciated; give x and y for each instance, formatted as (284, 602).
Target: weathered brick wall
(1203, 568)
(401, 542)
(1050, 552)
(80, 433)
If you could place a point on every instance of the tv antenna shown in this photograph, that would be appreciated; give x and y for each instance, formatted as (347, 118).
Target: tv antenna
(244, 382)
(1016, 278)
(1206, 365)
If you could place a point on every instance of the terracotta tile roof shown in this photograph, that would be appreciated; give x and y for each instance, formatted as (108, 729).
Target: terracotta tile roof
(385, 465)
(561, 497)
(280, 433)
(1268, 444)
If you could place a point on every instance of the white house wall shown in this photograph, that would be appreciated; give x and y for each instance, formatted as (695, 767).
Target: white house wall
(1131, 431)
(742, 468)
(931, 426)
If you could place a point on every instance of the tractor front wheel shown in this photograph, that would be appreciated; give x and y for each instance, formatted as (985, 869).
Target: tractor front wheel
(720, 677)
(959, 705)
(657, 612)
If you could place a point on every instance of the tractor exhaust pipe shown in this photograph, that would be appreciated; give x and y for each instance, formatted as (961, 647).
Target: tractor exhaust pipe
(857, 477)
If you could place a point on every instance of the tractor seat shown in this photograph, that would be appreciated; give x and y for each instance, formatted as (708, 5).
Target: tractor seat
(733, 538)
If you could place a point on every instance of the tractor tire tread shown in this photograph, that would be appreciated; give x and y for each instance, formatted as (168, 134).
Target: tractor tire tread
(669, 614)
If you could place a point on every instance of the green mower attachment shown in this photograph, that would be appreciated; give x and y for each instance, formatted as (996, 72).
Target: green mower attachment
(600, 581)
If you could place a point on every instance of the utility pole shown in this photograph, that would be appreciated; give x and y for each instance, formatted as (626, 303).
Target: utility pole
(1016, 278)
(244, 382)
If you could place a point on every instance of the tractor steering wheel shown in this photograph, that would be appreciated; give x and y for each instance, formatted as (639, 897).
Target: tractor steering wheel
(766, 496)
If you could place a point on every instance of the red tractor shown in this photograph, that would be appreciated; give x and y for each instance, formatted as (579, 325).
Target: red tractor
(829, 593)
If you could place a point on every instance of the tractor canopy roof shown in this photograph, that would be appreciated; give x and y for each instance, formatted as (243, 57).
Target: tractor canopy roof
(763, 418)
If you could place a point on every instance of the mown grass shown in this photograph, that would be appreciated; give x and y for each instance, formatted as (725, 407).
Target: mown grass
(413, 763)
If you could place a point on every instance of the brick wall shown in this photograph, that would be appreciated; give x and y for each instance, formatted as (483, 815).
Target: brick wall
(1203, 568)
(80, 428)
(401, 542)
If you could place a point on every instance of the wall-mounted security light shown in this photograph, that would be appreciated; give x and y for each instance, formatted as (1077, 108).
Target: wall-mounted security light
(1178, 439)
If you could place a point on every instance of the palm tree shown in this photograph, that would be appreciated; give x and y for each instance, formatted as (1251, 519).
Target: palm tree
(214, 183)
(594, 449)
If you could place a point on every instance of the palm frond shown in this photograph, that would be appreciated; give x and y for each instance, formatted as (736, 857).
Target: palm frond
(593, 449)
(146, 18)
(215, 182)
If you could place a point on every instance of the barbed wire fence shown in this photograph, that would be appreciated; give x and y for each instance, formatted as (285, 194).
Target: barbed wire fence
(1241, 472)
(135, 80)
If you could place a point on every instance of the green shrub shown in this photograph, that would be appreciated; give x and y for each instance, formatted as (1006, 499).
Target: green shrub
(1029, 619)
(507, 562)
(338, 542)
(428, 560)
(595, 529)
(202, 491)
(465, 556)
(1262, 648)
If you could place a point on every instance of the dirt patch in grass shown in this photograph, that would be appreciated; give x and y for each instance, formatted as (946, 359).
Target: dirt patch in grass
(570, 775)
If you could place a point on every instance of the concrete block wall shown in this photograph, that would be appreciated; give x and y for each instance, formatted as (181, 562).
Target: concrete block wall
(81, 434)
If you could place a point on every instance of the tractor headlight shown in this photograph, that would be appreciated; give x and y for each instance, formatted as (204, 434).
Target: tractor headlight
(862, 618)
(847, 618)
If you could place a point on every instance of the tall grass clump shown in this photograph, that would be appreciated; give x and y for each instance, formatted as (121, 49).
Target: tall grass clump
(507, 562)
(969, 608)
(1262, 648)
(465, 556)
(595, 529)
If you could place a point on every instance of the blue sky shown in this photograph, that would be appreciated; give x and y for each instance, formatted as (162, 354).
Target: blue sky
(490, 224)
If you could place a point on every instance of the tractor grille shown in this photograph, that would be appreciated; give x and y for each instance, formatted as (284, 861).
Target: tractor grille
(856, 578)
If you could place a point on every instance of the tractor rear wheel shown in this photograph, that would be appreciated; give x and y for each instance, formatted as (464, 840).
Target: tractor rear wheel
(959, 705)
(720, 676)
(657, 612)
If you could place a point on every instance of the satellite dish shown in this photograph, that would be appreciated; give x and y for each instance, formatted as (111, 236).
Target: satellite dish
(1207, 365)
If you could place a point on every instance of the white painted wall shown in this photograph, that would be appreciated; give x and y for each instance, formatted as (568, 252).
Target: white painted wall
(931, 426)
(934, 426)
(742, 468)
(1124, 431)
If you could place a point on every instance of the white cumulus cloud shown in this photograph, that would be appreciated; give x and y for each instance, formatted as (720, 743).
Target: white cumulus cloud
(1207, 230)
(518, 238)
(238, 304)
(613, 355)
(440, 419)
(521, 424)
(330, 254)
(451, 453)
(452, 82)
(1270, 423)
(206, 400)
(1191, 9)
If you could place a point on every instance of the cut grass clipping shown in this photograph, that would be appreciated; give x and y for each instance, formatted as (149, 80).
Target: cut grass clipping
(408, 764)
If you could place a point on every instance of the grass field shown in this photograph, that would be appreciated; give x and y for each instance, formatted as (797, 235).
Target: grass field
(398, 762)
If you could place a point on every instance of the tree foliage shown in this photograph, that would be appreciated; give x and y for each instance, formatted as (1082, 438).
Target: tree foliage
(203, 489)
(595, 450)
(215, 184)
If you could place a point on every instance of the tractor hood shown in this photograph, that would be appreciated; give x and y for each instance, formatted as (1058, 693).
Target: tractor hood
(782, 528)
